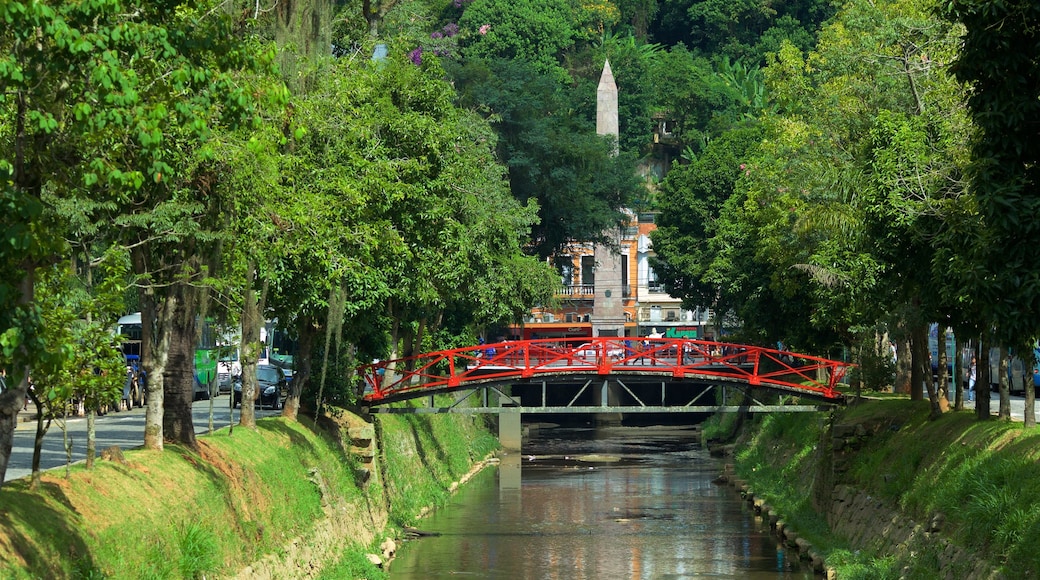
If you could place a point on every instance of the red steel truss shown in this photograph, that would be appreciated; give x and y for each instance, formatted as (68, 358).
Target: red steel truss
(679, 358)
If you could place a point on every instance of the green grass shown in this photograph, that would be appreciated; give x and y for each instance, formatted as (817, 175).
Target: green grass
(859, 566)
(982, 476)
(425, 454)
(354, 564)
(199, 551)
(188, 514)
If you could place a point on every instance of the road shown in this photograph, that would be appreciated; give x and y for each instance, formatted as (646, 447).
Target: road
(1018, 405)
(125, 429)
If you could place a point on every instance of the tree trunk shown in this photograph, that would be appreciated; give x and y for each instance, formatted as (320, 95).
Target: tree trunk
(1005, 391)
(408, 347)
(91, 437)
(1029, 419)
(42, 426)
(306, 332)
(179, 379)
(250, 349)
(12, 400)
(155, 351)
(923, 368)
(390, 370)
(958, 378)
(943, 386)
(918, 362)
(983, 380)
(904, 372)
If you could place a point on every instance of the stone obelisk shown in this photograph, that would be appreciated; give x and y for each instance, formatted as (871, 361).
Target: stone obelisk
(607, 105)
(608, 307)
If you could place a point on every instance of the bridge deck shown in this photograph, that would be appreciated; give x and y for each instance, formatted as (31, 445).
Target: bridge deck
(612, 361)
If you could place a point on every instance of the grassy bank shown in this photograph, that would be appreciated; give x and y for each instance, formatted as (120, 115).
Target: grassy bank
(981, 476)
(286, 495)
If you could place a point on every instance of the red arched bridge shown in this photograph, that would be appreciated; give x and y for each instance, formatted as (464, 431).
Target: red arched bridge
(597, 375)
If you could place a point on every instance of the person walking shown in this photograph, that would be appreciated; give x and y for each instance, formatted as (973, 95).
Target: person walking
(971, 380)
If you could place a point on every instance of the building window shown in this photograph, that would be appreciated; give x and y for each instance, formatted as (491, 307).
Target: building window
(567, 274)
(652, 283)
(588, 270)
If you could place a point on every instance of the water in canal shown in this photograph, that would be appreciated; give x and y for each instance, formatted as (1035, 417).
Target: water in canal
(618, 502)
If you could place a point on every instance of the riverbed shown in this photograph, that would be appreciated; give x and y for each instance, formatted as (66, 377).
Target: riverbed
(598, 503)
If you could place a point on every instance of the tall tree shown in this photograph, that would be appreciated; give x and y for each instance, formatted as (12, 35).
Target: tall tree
(114, 103)
(1000, 61)
(554, 158)
(535, 32)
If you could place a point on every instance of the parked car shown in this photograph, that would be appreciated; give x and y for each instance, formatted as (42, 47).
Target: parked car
(589, 351)
(284, 362)
(271, 383)
(229, 371)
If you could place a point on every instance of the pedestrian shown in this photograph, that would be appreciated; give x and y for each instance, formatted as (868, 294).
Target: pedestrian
(971, 379)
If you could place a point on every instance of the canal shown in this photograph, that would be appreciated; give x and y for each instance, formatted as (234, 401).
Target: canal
(584, 503)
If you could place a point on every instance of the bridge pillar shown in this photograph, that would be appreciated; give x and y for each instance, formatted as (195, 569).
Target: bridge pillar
(610, 396)
(510, 433)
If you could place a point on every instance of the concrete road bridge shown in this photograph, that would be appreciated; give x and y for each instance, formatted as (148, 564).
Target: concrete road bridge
(605, 375)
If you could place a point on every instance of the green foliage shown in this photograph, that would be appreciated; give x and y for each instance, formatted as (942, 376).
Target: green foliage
(632, 62)
(856, 565)
(691, 202)
(741, 30)
(688, 93)
(87, 363)
(555, 160)
(779, 462)
(1003, 76)
(874, 365)
(535, 32)
(840, 214)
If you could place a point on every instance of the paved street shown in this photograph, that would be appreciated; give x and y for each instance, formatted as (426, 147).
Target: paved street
(125, 429)
(1018, 404)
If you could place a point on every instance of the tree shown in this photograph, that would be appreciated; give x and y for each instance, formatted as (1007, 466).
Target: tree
(94, 371)
(535, 32)
(124, 134)
(689, 94)
(743, 30)
(691, 201)
(838, 215)
(47, 107)
(554, 158)
(1000, 63)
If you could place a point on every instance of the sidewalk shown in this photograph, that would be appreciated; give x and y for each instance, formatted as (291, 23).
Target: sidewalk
(29, 414)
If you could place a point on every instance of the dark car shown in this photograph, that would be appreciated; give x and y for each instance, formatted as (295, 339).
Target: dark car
(271, 383)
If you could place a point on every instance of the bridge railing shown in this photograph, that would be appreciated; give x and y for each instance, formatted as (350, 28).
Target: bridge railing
(676, 357)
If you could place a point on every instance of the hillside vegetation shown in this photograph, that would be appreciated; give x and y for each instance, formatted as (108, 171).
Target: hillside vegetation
(978, 478)
(282, 501)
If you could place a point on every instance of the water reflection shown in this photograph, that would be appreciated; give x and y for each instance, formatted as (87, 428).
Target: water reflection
(598, 504)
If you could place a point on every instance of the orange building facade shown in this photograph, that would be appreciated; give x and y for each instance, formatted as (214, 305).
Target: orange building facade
(648, 309)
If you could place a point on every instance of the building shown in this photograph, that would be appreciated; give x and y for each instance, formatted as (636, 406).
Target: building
(647, 308)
